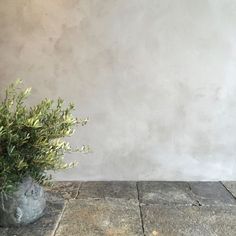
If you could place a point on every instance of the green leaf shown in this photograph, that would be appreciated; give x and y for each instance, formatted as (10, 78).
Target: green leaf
(32, 138)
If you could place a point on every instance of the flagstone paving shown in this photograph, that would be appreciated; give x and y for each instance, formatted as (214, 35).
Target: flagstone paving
(231, 187)
(187, 220)
(165, 193)
(211, 193)
(149, 208)
(108, 189)
(101, 217)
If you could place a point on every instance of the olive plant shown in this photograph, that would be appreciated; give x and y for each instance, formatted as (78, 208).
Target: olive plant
(32, 138)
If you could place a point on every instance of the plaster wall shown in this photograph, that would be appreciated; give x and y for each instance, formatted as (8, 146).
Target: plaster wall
(156, 77)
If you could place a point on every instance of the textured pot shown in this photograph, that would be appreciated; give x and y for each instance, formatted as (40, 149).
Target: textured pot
(23, 206)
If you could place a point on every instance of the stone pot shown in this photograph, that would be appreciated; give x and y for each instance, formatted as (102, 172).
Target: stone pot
(23, 206)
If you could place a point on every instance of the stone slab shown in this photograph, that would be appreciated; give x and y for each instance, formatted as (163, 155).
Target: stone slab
(101, 217)
(231, 186)
(188, 220)
(108, 189)
(27, 232)
(63, 189)
(164, 193)
(211, 193)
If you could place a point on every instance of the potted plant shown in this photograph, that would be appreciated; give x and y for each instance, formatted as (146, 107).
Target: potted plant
(31, 144)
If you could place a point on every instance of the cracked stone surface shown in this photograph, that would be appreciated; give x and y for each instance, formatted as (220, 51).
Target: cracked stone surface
(101, 217)
(165, 193)
(187, 220)
(111, 189)
(231, 186)
(64, 189)
(211, 193)
(135, 209)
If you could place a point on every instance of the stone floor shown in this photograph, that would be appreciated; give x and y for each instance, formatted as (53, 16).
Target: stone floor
(136, 208)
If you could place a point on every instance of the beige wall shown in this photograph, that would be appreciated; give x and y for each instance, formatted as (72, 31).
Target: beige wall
(156, 77)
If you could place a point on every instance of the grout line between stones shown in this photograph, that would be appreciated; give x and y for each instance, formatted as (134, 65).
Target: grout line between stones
(227, 190)
(59, 220)
(77, 193)
(198, 203)
(140, 210)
